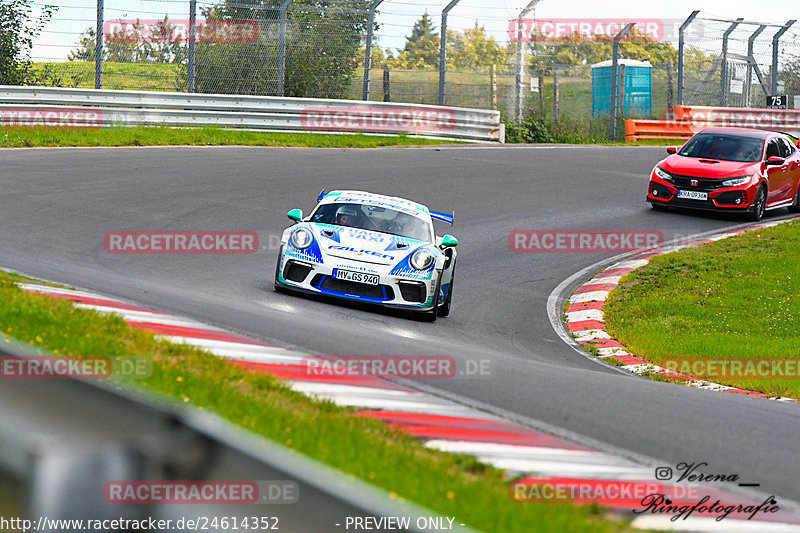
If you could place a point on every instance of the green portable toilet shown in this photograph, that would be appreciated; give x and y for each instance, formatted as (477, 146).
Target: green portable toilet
(638, 87)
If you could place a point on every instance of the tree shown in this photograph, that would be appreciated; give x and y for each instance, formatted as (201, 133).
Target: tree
(576, 50)
(18, 28)
(422, 46)
(790, 74)
(472, 48)
(133, 45)
(323, 44)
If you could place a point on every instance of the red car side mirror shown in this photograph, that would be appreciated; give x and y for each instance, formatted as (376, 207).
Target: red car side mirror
(672, 149)
(775, 161)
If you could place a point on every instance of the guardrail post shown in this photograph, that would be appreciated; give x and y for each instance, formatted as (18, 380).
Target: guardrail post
(681, 31)
(614, 75)
(775, 39)
(192, 33)
(443, 50)
(282, 47)
(98, 48)
(368, 48)
(723, 73)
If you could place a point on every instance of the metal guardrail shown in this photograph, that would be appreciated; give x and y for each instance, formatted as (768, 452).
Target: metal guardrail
(64, 439)
(59, 106)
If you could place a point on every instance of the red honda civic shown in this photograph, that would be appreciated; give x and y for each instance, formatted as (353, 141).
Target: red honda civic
(729, 169)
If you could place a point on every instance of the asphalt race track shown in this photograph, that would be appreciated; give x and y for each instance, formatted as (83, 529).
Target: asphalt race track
(56, 205)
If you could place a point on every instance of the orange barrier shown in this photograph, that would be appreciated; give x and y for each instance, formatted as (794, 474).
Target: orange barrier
(691, 119)
(636, 129)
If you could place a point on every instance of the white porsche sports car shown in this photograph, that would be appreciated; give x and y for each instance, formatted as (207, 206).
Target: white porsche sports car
(370, 248)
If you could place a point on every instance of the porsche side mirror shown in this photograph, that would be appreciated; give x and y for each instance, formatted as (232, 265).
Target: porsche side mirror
(774, 160)
(672, 149)
(448, 241)
(295, 214)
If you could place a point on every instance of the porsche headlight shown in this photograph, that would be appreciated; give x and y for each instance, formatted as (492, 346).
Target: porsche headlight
(663, 174)
(733, 182)
(422, 259)
(301, 238)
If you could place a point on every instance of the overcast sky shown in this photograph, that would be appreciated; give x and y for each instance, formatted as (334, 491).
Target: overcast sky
(397, 16)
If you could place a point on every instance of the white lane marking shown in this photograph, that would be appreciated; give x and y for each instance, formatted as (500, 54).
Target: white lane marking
(153, 318)
(630, 263)
(611, 352)
(579, 316)
(590, 335)
(68, 292)
(594, 296)
(213, 344)
(710, 525)
(607, 279)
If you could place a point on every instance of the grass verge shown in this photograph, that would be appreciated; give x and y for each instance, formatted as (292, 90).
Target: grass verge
(27, 137)
(452, 485)
(733, 300)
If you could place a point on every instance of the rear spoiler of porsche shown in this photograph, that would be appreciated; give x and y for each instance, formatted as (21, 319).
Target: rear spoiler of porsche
(444, 217)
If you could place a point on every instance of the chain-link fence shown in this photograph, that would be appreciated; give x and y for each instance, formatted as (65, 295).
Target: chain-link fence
(310, 48)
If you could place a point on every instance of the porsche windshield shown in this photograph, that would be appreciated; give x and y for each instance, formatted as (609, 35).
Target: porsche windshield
(724, 147)
(374, 218)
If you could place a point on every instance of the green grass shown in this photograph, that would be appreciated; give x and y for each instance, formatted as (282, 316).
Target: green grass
(453, 485)
(131, 76)
(730, 300)
(17, 137)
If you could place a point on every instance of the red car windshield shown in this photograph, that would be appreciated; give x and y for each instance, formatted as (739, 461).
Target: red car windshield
(724, 147)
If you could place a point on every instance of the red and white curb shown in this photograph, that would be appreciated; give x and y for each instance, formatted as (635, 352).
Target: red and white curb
(585, 319)
(528, 455)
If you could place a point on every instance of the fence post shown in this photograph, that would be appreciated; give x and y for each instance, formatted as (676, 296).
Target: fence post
(443, 51)
(775, 39)
(368, 49)
(282, 47)
(750, 60)
(192, 34)
(386, 94)
(614, 79)
(723, 73)
(492, 87)
(521, 59)
(98, 48)
(681, 31)
(555, 95)
(670, 99)
(541, 93)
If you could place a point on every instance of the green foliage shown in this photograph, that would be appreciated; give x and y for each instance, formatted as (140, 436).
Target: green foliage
(532, 129)
(323, 45)
(569, 130)
(18, 28)
(472, 48)
(575, 50)
(422, 46)
(790, 74)
(130, 46)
